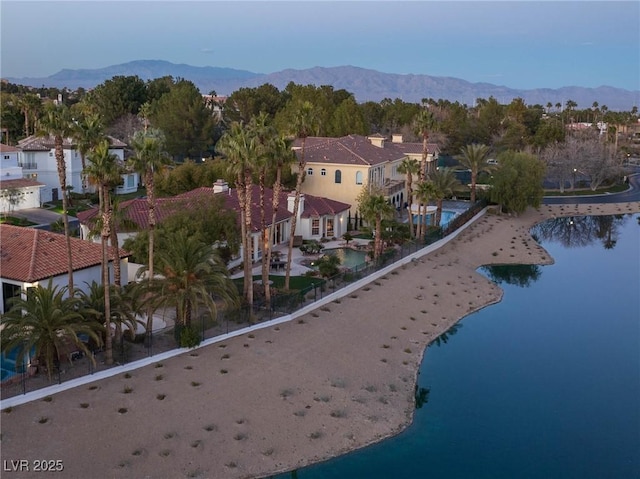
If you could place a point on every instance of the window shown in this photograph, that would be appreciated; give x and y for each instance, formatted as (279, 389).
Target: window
(323, 172)
(330, 232)
(310, 171)
(315, 226)
(358, 177)
(6, 157)
(130, 179)
(338, 176)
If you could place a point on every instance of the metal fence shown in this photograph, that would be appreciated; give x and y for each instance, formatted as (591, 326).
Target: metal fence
(126, 350)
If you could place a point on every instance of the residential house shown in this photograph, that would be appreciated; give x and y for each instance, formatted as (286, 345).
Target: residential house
(339, 168)
(16, 192)
(30, 256)
(37, 158)
(317, 217)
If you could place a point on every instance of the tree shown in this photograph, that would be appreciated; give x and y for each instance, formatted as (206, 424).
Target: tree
(186, 121)
(304, 124)
(374, 208)
(424, 123)
(57, 122)
(150, 157)
(474, 158)
(117, 97)
(409, 167)
(104, 172)
(46, 322)
(444, 183)
(517, 183)
(241, 151)
(193, 278)
(424, 194)
(30, 105)
(88, 132)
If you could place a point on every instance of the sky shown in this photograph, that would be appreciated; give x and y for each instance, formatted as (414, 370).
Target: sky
(518, 44)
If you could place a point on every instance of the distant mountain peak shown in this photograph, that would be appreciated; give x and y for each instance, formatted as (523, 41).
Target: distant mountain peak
(365, 84)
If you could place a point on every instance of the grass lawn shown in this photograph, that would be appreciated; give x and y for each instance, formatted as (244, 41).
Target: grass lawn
(296, 283)
(12, 220)
(588, 191)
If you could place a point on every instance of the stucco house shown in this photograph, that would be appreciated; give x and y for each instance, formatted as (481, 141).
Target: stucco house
(318, 217)
(36, 156)
(30, 256)
(16, 192)
(339, 168)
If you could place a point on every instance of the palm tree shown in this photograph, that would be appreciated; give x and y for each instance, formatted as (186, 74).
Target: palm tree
(46, 322)
(305, 122)
(193, 277)
(57, 122)
(104, 171)
(424, 122)
(240, 148)
(121, 312)
(280, 156)
(150, 157)
(89, 131)
(29, 105)
(375, 208)
(474, 158)
(409, 167)
(444, 183)
(425, 192)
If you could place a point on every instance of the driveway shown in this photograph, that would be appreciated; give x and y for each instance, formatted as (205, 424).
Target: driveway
(632, 194)
(43, 217)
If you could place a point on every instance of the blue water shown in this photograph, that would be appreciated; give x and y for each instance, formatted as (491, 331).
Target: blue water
(8, 365)
(446, 217)
(545, 384)
(349, 258)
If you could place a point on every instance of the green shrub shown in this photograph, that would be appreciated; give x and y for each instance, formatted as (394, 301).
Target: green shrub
(190, 337)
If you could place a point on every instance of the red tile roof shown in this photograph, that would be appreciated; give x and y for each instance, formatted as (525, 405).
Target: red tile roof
(348, 150)
(46, 143)
(7, 148)
(19, 183)
(29, 254)
(137, 210)
(415, 148)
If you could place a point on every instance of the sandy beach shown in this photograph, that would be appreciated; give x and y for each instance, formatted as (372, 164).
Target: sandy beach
(339, 378)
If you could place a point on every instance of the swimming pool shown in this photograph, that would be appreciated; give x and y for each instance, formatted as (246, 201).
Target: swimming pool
(349, 258)
(447, 216)
(8, 364)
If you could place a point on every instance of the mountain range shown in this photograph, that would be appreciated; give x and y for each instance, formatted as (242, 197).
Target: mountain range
(365, 84)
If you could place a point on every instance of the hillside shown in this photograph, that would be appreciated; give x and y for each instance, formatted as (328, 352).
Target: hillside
(363, 83)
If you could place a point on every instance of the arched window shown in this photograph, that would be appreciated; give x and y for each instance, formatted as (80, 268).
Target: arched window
(323, 172)
(358, 177)
(338, 176)
(310, 171)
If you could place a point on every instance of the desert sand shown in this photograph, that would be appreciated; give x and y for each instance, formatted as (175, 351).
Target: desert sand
(336, 379)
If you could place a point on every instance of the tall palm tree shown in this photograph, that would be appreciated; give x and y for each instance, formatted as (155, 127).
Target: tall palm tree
(193, 278)
(375, 208)
(424, 122)
(425, 192)
(280, 155)
(57, 122)
(409, 167)
(240, 148)
(29, 105)
(46, 322)
(474, 158)
(88, 132)
(305, 123)
(444, 183)
(104, 171)
(150, 156)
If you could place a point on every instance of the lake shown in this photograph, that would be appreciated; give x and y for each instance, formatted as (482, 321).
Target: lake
(544, 384)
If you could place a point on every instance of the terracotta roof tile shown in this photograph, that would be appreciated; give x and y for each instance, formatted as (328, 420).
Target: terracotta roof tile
(8, 149)
(348, 150)
(29, 254)
(19, 183)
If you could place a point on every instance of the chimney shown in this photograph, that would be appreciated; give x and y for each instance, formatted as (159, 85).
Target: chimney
(396, 138)
(376, 140)
(220, 186)
(291, 199)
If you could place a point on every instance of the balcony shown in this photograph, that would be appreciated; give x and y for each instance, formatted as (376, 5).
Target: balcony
(28, 166)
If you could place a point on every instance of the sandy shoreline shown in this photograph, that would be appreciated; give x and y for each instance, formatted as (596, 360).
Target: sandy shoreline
(337, 379)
